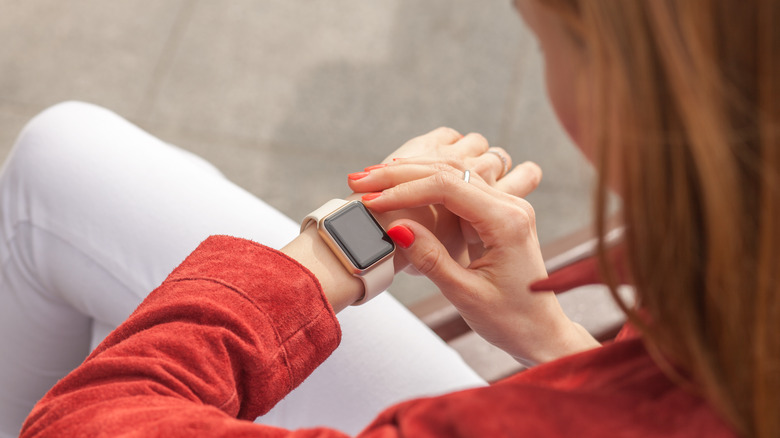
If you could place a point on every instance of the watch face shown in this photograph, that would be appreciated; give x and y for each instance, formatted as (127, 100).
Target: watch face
(359, 235)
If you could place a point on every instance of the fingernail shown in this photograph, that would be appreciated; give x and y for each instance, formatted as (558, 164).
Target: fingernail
(401, 235)
(374, 167)
(370, 196)
(357, 176)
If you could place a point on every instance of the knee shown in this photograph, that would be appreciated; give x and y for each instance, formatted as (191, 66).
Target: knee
(58, 123)
(54, 134)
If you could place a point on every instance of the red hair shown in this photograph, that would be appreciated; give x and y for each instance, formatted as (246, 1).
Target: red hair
(687, 120)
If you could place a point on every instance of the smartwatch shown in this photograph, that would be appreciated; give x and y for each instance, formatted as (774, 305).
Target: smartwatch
(358, 241)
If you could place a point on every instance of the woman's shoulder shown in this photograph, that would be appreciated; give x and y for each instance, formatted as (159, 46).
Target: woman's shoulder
(614, 390)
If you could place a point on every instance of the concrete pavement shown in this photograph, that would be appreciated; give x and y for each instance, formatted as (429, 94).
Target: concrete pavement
(287, 97)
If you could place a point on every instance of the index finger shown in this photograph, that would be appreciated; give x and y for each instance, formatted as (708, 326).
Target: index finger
(494, 216)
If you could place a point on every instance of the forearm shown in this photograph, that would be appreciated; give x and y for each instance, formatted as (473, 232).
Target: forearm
(339, 287)
(227, 335)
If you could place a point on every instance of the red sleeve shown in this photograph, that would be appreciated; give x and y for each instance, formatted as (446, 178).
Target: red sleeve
(228, 334)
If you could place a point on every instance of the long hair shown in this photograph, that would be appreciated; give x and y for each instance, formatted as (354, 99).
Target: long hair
(687, 121)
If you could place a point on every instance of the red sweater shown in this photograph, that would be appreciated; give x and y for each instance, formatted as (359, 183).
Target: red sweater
(237, 326)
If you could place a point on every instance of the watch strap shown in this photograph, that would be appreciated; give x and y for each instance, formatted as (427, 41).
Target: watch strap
(376, 280)
(326, 209)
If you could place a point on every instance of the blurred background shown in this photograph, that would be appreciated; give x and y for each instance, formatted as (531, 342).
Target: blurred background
(287, 97)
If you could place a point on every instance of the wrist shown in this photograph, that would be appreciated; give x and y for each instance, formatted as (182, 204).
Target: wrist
(340, 288)
(564, 338)
(348, 251)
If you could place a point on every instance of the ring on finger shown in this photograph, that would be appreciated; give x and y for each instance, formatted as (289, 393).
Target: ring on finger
(504, 162)
(466, 175)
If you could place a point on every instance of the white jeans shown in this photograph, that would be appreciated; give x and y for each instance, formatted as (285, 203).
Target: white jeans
(94, 214)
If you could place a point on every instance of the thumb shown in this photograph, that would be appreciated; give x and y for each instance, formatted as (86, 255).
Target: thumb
(427, 254)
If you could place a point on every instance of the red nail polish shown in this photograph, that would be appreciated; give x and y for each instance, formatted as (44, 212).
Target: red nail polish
(401, 235)
(370, 196)
(377, 166)
(357, 176)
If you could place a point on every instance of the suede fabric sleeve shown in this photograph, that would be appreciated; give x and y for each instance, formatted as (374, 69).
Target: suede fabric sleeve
(229, 333)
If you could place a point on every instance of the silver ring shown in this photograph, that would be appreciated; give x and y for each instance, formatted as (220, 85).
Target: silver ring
(503, 161)
(466, 175)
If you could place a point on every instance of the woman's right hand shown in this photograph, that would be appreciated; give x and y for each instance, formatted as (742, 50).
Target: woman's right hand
(492, 292)
(442, 145)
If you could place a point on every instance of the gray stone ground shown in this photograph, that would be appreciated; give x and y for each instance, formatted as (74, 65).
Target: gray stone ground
(289, 96)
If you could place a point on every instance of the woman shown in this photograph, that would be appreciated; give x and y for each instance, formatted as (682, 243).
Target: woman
(676, 103)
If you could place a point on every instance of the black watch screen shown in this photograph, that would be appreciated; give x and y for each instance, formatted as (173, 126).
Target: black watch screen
(359, 235)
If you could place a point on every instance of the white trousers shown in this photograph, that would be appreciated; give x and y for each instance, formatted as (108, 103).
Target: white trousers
(94, 214)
